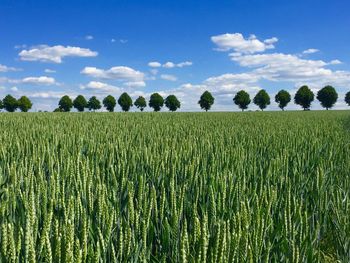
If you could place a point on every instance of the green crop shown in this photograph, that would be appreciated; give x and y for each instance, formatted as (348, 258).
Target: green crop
(175, 187)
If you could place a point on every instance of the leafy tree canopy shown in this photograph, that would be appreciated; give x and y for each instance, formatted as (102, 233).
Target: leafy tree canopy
(10, 103)
(156, 102)
(94, 103)
(65, 103)
(304, 97)
(327, 96)
(282, 98)
(262, 99)
(109, 102)
(24, 104)
(206, 101)
(80, 103)
(140, 103)
(125, 102)
(242, 99)
(172, 103)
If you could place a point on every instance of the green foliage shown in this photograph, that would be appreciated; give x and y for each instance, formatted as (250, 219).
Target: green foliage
(262, 99)
(347, 98)
(242, 100)
(172, 103)
(10, 103)
(80, 103)
(206, 100)
(192, 187)
(156, 102)
(282, 98)
(94, 104)
(1, 105)
(125, 102)
(109, 102)
(304, 97)
(24, 104)
(327, 96)
(58, 110)
(65, 103)
(140, 103)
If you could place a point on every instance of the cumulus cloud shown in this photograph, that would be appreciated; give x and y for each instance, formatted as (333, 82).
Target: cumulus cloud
(50, 71)
(4, 68)
(89, 37)
(169, 64)
(99, 87)
(239, 44)
(310, 51)
(43, 80)
(168, 77)
(54, 54)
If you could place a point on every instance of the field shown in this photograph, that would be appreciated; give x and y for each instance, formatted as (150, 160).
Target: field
(175, 187)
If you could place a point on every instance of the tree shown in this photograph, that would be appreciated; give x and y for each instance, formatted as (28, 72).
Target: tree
(304, 97)
(140, 103)
(80, 103)
(242, 99)
(262, 99)
(109, 102)
(327, 96)
(24, 104)
(94, 104)
(65, 103)
(156, 102)
(10, 103)
(1, 105)
(125, 102)
(58, 110)
(206, 100)
(282, 98)
(347, 98)
(172, 103)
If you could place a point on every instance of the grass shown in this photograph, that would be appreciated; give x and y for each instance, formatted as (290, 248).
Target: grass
(188, 187)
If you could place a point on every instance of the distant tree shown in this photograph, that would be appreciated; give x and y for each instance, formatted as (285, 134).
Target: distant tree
(58, 110)
(327, 96)
(1, 105)
(242, 99)
(206, 100)
(172, 103)
(140, 103)
(65, 103)
(24, 104)
(347, 98)
(125, 102)
(282, 98)
(94, 104)
(262, 99)
(304, 97)
(156, 102)
(109, 102)
(80, 103)
(10, 103)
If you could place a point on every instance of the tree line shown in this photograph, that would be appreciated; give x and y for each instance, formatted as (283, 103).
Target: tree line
(304, 97)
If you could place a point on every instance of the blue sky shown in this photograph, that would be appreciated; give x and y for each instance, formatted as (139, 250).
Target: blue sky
(52, 48)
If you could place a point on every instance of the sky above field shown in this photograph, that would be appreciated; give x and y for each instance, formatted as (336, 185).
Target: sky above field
(52, 48)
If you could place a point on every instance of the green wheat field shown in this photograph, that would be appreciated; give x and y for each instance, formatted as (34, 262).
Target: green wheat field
(175, 187)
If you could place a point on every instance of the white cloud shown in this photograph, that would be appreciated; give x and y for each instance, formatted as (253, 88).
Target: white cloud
(14, 88)
(55, 54)
(99, 86)
(135, 84)
(239, 44)
(168, 77)
(154, 64)
(89, 37)
(335, 62)
(123, 41)
(43, 80)
(113, 40)
(121, 73)
(169, 64)
(4, 68)
(310, 51)
(49, 71)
